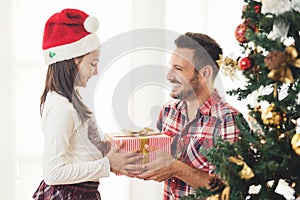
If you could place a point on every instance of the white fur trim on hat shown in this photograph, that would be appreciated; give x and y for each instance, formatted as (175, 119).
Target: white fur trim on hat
(65, 52)
(91, 24)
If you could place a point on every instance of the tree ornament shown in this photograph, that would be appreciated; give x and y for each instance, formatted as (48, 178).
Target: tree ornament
(245, 63)
(257, 8)
(275, 59)
(281, 6)
(296, 5)
(246, 172)
(253, 122)
(280, 30)
(278, 61)
(283, 75)
(228, 66)
(292, 56)
(273, 116)
(295, 142)
(213, 197)
(223, 196)
(240, 33)
(226, 193)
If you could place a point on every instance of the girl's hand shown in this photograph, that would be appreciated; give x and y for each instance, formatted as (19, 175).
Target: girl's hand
(124, 162)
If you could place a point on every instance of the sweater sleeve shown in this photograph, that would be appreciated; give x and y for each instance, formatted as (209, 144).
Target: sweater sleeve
(58, 127)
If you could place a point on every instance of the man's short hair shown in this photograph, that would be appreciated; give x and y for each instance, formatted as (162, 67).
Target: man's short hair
(206, 50)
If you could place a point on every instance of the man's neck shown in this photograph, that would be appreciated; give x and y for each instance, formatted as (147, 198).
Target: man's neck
(193, 104)
(191, 109)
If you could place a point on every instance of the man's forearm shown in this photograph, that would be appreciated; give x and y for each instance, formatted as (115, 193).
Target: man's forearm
(190, 175)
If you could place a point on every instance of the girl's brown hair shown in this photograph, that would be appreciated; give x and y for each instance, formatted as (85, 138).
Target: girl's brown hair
(61, 78)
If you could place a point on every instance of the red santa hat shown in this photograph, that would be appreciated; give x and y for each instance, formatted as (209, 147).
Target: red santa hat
(69, 34)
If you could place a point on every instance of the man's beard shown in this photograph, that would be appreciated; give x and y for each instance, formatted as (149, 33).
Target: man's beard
(193, 88)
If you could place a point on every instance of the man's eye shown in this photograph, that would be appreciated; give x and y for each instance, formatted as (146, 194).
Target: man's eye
(178, 68)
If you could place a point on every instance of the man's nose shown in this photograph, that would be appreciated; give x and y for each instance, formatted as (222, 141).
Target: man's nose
(171, 74)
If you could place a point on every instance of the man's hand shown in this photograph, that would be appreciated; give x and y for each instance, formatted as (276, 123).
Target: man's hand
(160, 169)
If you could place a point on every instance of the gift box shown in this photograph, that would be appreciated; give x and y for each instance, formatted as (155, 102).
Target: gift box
(136, 141)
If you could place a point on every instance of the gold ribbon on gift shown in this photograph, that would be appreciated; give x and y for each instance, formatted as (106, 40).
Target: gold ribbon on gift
(143, 150)
(283, 73)
(142, 134)
(246, 172)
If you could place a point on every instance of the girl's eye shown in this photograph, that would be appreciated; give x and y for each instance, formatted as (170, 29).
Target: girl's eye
(94, 64)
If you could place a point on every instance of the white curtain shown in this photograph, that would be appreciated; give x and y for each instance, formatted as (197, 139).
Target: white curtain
(23, 74)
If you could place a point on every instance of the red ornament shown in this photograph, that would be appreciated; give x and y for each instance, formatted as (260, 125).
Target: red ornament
(240, 33)
(245, 63)
(257, 8)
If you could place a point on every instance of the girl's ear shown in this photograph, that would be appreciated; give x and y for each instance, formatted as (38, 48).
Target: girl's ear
(76, 60)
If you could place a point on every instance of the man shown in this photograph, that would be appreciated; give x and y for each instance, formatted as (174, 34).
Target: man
(195, 119)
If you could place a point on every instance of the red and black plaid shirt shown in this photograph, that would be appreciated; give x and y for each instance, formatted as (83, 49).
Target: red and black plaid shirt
(214, 119)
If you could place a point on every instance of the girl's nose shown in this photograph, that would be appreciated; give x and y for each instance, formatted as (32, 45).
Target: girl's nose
(95, 70)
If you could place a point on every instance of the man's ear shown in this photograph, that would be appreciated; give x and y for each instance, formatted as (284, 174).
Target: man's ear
(206, 72)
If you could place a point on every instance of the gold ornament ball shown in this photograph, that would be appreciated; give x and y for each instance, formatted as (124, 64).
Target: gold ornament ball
(272, 116)
(296, 143)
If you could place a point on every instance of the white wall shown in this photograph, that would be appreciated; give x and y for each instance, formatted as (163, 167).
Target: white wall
(8, 172)
(23, 73)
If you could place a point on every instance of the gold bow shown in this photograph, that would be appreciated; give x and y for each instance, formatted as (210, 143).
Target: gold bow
(228, 66)
(246, 172)
(223, 196)
(292, 55)
(283, 73)
(144, 131)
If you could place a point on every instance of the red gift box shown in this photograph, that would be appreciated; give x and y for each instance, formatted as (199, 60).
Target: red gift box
(131, 143)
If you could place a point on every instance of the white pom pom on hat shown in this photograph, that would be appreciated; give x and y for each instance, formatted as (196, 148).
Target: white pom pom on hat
(91, 24)
(69, 34)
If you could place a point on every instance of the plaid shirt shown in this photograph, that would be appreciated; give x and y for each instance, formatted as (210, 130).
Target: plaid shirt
(214, 119)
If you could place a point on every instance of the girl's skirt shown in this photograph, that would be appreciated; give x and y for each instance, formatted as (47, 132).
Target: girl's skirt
(84, 191)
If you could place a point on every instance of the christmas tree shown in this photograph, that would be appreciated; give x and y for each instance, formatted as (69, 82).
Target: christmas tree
(265, 161)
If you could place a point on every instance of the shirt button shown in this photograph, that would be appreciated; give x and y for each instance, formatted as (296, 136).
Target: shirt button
(173, 185)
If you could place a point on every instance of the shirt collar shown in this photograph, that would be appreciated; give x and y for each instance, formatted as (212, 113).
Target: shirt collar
(180, 105)
(209, 103)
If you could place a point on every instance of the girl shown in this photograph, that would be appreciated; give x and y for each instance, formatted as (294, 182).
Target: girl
(74, 156)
